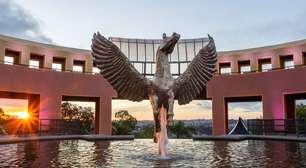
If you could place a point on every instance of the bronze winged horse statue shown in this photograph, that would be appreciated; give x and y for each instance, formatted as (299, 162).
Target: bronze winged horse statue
(163, 89)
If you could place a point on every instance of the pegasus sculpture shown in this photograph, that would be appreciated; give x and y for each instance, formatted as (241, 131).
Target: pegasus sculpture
(163, 90)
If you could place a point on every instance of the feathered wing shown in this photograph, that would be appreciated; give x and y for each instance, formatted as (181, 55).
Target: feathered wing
(119, 72)
(193, 81)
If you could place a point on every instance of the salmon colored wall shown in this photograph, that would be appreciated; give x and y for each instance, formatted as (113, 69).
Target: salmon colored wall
(272, 86)
(52, 85)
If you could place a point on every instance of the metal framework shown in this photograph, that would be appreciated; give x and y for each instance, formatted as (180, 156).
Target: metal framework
(141, 53)
(277, 126)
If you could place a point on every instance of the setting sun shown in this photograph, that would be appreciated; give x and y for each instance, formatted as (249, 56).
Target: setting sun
(23, 115)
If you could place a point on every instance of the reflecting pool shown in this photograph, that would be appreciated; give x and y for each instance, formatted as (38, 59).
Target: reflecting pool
(143, 153)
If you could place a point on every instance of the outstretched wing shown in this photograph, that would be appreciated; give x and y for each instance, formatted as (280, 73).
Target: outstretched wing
(193, 81)
(118, 71)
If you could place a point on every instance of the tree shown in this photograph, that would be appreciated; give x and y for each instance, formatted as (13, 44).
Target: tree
(84, 114)
(147, 131)
(1, 112)
(301, 111)
(124, 123)
(181, 130)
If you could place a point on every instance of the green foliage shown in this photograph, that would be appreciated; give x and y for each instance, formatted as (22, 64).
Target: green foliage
(124, 123)
(181, 130)
(1, 116)
(300, 111)
(74, 112)
(146, 132)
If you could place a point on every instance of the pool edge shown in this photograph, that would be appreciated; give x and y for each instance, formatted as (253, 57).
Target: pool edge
(15, 139)
(247, 137)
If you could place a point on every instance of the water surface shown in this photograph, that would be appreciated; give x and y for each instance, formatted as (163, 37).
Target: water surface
(143, 153)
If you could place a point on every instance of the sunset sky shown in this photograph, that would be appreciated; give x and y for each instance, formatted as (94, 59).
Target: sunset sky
(234, 25)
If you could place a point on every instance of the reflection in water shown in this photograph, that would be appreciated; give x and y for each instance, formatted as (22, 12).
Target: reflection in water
(221, 157)
(142, 153)
(102, 153)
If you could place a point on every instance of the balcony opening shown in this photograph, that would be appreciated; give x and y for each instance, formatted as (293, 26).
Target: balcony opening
(295, 106)
(79, 112)
(11, 57)
(95, 69)
(19, 112)
(244, 66)
(286, 62)
(36, 61)
(78, 66)
(199, 117)
(58, 64)
(225, 68)
(264, 65)
(244, 107)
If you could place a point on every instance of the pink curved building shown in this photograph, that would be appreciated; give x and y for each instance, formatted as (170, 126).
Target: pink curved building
(276, 75)
(47, 74)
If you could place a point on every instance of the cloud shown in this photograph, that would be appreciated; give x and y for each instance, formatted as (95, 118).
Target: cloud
(16, 21)
(262, 33)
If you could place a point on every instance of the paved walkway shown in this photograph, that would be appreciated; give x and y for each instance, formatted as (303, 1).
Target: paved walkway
(16, 139)
(248, 137)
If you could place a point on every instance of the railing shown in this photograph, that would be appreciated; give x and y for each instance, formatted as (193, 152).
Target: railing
(59, 127)
(259, 71)
(52, 69)
(277, 126)
(152, 74)
(21, 127)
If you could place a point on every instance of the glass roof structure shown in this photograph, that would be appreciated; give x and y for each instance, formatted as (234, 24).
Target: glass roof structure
(142, 52)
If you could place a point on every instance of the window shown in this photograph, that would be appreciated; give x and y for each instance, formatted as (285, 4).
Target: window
(198, 46)
(156, 45)
(95, 70)
(304, 58)
(149, 51)
(141, 51)
(149, 68)
(183, 67)
(11, 57)
(174, 54)
(244, 67)
(225, 68)
(125, 48)
(139, 67)
(174, 68)
(9, 60)
(287, 62)
(182, 51)
(36, 61)
(58, 64)
(133, 51)
(264, 65)
(78, 66)
(190, 50)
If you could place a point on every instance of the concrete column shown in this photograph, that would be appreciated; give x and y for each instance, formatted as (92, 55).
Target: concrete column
(50, 106)
(88, 65)
(273, 106)
(48, 60)
(69, 63)
(25, 55)
(275, 61)
(234, 65)
(105, 117)
(2, 51)
(298, 56)
(219, 116)
(253, 63)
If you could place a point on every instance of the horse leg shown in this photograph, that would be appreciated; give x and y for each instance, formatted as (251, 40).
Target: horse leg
(170, 110)
(154, 104)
